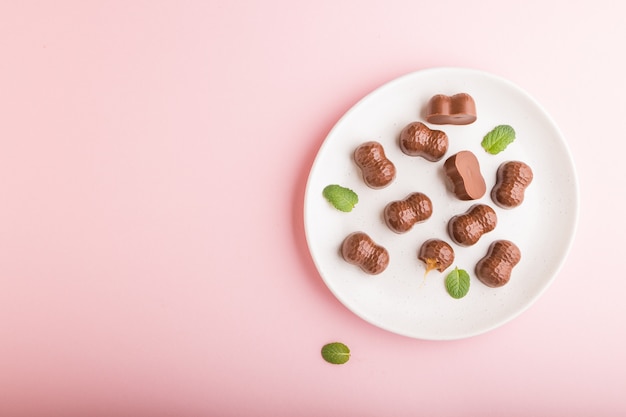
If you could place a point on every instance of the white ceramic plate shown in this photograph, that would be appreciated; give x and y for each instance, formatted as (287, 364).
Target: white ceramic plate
(399, 299)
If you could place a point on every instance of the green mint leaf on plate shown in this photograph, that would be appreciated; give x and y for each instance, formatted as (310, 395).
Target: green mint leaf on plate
(336, 353)
(458, 283)
(342, 198)
(498, 139)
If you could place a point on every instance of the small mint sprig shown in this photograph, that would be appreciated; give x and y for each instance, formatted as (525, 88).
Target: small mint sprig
(458, 283)
(336, 353)
(342, 198)
(498, 139)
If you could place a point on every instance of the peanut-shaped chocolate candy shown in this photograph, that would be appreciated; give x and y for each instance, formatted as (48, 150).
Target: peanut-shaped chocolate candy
(436, 254)
(458, 109)
(359, 249)
(512, 179)
(402, 215)
(464, 177)
(417, 139)
(377, 170)
(494, 270)
(466, 229)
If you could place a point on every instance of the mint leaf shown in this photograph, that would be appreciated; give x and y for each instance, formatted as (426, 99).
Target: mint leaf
(336, 353)
(343, 199)
(457, 283)
(498, 139)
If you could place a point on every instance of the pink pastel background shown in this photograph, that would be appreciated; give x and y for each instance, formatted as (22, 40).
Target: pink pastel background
(153, 159)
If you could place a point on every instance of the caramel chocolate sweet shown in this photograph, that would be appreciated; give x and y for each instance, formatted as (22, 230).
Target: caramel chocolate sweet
(359, 249)
(466, 229)
(436, 254)
(464, 178)
(402, 215)
(377, 170)
(512, 179)
(458, 109)
(494, 270)
(417, 139)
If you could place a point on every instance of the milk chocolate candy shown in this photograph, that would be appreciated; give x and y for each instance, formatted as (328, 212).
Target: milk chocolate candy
(417, 139)
(494, 270)
(464, 177)
(512, 179)
(402, 215)
(458, 109)
(378, 171)
(466, 229)
(436, 254)
(359, 249)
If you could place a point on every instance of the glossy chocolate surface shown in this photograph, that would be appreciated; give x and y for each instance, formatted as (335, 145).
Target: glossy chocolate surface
(436, 254)
(494, 270)
(378, 171)
(359, 249)
(417, 139)
(402, 215)
(512, 179)
(466, 229)
(458, 109)
(464, 177)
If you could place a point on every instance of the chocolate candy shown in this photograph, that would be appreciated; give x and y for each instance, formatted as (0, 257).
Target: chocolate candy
(377, 170)
(464, 177)
(466, 229)
(494, 270)
(417, 139)
(359, 249)
(402, 215)
(512, 179)
(436, 254)
(458, 109)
